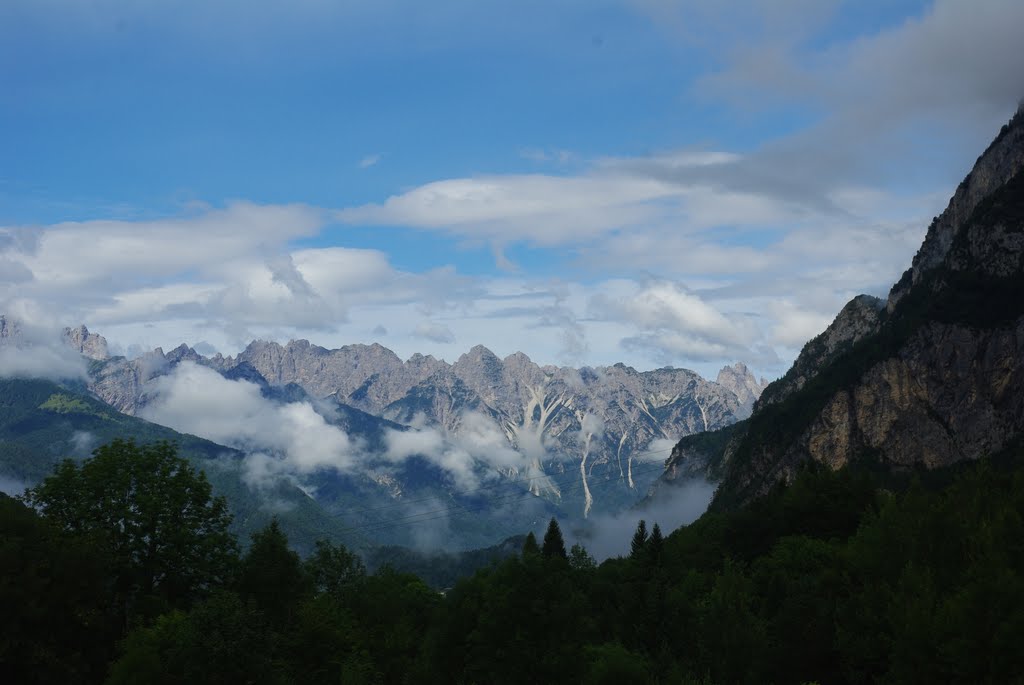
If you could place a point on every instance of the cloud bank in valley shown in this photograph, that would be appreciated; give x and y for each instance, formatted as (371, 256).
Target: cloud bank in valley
(280, 439)
(295, 440)
(607, 536)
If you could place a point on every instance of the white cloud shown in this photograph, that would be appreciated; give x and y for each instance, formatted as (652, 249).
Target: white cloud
(541, 210)
(675, 323)
(691, 256)
(39, 362)
(99, 252)
(282, 438)
(478, 449)
(793, 325)
(38, 351)
(607, 536)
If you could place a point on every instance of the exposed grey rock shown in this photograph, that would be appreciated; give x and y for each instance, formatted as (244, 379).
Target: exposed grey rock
(1003, 158)
(89, 344)
(595, 423)
(743, 384)
(933, 379)
(860, 318)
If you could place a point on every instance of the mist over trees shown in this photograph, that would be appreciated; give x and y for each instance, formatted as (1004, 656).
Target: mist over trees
(832, 579)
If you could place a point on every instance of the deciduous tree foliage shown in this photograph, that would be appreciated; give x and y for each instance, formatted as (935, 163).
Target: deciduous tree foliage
(153, 516)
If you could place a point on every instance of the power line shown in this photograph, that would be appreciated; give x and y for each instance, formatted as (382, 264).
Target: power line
(438, 514)
(569, 478)
(503, 483)
(443, 513)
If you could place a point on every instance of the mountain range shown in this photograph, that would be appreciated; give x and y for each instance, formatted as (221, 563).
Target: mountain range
(418, 451)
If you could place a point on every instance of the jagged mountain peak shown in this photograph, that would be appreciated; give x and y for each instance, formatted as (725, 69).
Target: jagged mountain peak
(859, 318)
(183, 353)
(518, 358)
(89, 344)
(477, 354)
(1003, 159)
(929, 378)
(741, 381)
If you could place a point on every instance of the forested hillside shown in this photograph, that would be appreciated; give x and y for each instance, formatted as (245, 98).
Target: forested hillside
(831, 579)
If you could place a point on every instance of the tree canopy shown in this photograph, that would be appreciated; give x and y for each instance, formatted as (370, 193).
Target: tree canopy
(151, 513)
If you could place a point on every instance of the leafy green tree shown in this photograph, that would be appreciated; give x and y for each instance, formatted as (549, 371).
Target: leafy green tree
(55, 626)
(554, 545)
(638, 546)
(152, 514)
(332, 569)
(221, 640)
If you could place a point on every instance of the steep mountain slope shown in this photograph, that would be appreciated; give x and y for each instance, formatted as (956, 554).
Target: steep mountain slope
(42, 422)
(932, 378)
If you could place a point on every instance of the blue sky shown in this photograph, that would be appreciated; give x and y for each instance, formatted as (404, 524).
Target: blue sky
(687, 183)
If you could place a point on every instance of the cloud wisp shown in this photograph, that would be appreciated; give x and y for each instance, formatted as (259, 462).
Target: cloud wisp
(280, 439)
(606, 536)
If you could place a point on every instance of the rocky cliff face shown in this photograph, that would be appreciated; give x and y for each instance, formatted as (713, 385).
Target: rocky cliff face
(860, 318)
(933, 378)
(88, 344)
(738, 379)
(994, 168)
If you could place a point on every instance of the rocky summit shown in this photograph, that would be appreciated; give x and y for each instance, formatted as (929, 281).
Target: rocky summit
(930, 377)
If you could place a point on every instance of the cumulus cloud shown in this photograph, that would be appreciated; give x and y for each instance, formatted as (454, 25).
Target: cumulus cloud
(280, 438)
(675, 323)
(657, 450)
(753, 247)
(591, 427)
(230, 271)
(39, 362)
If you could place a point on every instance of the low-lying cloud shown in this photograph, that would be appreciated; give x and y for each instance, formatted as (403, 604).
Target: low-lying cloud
(607, 536)
(280, 438)
(29, 351)
(478, 449)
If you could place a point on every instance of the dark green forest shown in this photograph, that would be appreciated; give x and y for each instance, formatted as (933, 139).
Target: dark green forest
(121, 569)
